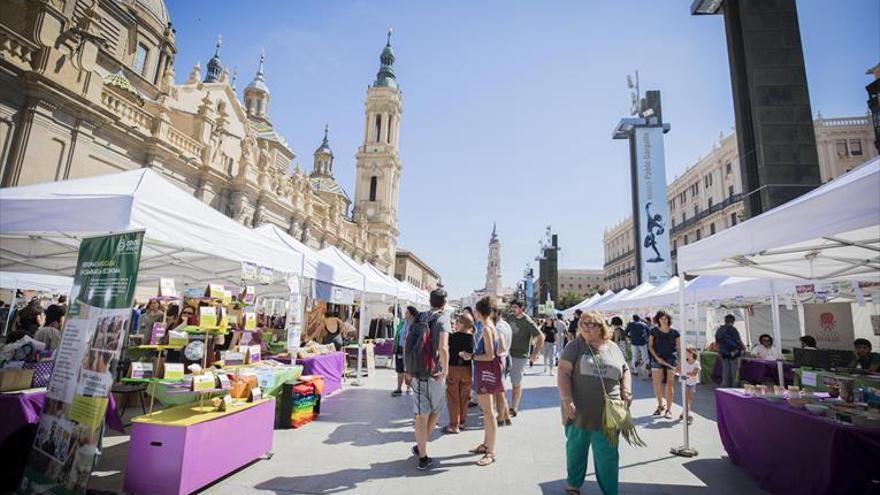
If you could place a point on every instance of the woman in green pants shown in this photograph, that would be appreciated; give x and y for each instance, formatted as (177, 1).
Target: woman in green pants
(587, 362)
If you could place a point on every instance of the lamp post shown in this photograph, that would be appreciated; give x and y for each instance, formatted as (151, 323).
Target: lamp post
(873, 90)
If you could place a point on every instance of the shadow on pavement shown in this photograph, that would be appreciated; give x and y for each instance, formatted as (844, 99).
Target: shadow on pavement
(349, 479)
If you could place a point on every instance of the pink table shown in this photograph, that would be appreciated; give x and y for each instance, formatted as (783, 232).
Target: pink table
(179, 450)
(20, 409)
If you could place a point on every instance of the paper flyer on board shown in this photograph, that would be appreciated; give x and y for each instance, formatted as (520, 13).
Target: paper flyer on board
(77, 398)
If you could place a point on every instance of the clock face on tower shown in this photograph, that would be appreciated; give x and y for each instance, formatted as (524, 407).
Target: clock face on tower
(370, 212)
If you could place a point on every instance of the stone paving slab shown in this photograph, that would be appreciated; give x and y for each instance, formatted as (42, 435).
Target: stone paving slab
(361, 442)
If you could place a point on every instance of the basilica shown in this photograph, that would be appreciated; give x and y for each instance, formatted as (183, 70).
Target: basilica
(88, 87)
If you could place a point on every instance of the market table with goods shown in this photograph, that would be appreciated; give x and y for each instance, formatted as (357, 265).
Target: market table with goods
(798, 441)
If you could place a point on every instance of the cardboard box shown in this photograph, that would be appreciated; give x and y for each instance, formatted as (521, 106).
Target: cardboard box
(173, 371)
(140, 369)
(15, 379)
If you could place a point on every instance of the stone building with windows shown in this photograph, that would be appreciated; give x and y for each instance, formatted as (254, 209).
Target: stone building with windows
(88, 87)
(707, 197)
(583, 282)
(410, 268)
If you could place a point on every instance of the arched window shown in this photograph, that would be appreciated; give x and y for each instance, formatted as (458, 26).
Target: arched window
(374, 182)
(259, 106)
(378, 128)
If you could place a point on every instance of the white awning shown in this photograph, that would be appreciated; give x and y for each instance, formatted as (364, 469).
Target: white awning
(36, 281)
(829, 233)
(373, 284)
(41, 226)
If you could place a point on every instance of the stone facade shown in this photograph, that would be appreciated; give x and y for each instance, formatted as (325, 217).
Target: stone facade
(581, 281)
(707, 197)
(410, 268)
(88, 87)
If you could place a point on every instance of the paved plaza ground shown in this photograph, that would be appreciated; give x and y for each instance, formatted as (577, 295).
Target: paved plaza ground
(361, 445)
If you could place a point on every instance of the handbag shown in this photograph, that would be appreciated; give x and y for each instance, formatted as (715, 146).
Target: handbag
(616, 416)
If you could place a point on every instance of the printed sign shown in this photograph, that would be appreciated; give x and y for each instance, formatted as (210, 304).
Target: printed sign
(248, 271)
(652, 237)
(167, 288)
(266, 275)
(69, 432)
(830, 324)
(808, 379)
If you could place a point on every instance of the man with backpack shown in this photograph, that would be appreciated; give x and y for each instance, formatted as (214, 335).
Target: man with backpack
(426, 358)
(730, 348)
(637, 333)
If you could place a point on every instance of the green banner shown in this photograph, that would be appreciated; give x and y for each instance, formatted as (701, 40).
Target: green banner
(69, 430)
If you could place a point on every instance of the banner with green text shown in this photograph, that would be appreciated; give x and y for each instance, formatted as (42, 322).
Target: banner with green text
(70, 426)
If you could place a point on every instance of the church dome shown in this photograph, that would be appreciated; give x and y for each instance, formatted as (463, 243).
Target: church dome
(157, 9)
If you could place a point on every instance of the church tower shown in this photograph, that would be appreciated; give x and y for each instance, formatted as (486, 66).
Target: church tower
(493, 267)
(378, 161)
(256, 95)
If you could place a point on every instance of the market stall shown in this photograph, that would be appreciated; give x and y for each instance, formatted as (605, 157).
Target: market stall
(792, 451)
(116, 232)
(829, 234)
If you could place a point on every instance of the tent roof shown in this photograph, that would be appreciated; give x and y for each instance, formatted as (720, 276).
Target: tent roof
(831, 232)
(36, 281)
(372, 282)
(622, 301)
(42, 225)
(405, 291)
(316, 265)
(600, 303)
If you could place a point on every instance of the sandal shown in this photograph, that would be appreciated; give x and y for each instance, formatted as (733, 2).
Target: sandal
(668, 414)
(658, 411)
(486, 459)
(480, 449)
(449, 429)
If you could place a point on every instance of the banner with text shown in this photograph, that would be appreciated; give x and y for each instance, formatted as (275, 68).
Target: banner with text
(69, 430)
(652, 238)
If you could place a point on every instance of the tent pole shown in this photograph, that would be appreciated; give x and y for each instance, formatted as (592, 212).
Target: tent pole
(685, 450)
(9, 313)
(746, 310)
(361, 320)
(777, 333)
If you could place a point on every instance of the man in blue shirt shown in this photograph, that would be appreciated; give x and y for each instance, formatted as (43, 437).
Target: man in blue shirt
(730, 348)
(637, 333)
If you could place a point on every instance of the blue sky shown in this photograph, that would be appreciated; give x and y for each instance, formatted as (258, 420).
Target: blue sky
(509, 105)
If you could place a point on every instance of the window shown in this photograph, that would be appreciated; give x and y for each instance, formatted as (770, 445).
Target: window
(728, 168)
(712, 228)
(683, 217)
(730, 191)
(699, 234)
(378, 128)
(259, 106)
(710, 203)
(855, 147)
(673, 222)
(140, 59)
(842, 150)
(373, 184)
(696, 210)
(674, 244)
(685, 240)
(732, 219)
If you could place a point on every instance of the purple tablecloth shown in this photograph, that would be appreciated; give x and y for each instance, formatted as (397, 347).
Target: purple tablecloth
(330, 366)
(757, 371)
(790, 451)
(18, 410)
(384, 348)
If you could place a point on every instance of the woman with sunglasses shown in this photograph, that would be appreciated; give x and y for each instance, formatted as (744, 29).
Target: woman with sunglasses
(590, 367)
(663, 349)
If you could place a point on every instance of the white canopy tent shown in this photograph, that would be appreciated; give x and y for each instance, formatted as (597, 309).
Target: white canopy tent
(405, 291)
(568, 313)
(829, 233)
(624, 302)
(604, 297)
(42, 224)
(601, 303)
(36, 281)
(316, 265)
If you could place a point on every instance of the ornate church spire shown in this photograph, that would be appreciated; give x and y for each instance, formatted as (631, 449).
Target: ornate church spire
(323, 166)
(215, 67)
(256, 94)
(385, 77)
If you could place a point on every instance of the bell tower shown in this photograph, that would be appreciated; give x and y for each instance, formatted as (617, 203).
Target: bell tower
(378, 162)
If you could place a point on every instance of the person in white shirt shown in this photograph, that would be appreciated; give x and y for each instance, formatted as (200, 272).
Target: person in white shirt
(505, 333)
(690, 375)
(764, 349)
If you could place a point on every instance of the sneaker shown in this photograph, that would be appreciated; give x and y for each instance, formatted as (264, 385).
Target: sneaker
(415, 450)
(512, 412)
(425, 463)
(472, 404)
(396, 393)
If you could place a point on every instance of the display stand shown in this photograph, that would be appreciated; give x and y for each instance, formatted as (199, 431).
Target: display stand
(181, 449)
